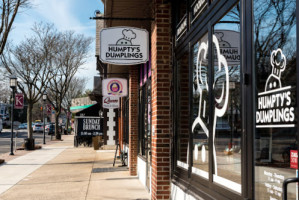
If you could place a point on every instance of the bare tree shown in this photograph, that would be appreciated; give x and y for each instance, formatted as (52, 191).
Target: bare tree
(9, 11)
(4, 87)
(72, 55)
(76, 88)
(273, 24)
(32, 62)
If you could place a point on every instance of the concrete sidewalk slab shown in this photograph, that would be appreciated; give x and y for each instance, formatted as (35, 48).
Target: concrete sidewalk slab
(15, 170)
(77, 173)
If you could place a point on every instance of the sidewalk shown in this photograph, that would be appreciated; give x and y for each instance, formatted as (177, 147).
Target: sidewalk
(60, 171)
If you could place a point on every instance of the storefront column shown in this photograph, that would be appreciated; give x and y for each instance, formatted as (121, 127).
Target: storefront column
(161, 100)
(133, 119)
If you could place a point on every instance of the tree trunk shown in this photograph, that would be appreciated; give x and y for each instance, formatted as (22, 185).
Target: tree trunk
(29, 120)
(57, 133)
(67, 122)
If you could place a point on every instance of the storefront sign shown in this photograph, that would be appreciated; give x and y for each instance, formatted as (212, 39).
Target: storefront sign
(110, 102)
(274, 105)
(115, 87)
(124, 45)
(89, 126)
(198, 7)
(294, 159)
(181, 28)
(19, 101)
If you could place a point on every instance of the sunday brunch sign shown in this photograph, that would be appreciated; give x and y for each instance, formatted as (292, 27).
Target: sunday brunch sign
(124, 45)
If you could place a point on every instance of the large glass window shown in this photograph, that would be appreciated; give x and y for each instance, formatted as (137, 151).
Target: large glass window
(275, 100)
(227, 94)
(223, 126)
(209, 135)
(200, 94)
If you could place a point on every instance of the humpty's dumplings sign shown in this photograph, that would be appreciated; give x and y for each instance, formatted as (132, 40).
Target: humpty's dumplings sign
(124, 45)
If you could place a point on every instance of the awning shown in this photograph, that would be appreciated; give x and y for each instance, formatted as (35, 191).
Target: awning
(79, 108)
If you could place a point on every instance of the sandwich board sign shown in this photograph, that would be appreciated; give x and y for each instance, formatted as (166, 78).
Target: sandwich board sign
(124, 45)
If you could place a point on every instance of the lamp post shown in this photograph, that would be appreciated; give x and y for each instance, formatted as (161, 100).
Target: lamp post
(13, 85)
(44, 100)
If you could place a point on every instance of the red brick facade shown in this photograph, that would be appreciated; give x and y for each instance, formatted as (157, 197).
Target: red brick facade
(161, 100)
(133, 119)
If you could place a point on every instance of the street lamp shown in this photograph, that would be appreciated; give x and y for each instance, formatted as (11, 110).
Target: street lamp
(44, 100)
(13, 85)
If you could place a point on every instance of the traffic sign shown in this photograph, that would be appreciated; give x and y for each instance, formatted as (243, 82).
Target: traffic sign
(19, 101)
(49, 109)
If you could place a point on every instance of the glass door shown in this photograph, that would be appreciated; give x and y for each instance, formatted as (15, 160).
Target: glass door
(275, 141)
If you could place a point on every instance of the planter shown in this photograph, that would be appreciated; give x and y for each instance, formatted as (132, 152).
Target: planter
(29, 144)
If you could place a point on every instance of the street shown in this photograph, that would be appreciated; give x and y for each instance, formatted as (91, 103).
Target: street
(22, 134)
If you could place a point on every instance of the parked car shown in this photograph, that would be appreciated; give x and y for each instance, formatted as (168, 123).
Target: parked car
(38, 128)
(23, 126)
(50, 129)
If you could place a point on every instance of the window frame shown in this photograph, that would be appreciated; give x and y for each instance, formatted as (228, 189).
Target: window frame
(198, 28)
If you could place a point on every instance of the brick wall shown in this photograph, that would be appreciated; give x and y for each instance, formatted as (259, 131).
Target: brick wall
(161, 99)
(133, 119)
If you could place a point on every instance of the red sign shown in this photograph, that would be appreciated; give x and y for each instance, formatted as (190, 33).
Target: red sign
(19, 101)
(294, 159)
(49, 109)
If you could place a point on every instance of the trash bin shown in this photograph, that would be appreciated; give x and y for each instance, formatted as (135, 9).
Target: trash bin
(29, 144)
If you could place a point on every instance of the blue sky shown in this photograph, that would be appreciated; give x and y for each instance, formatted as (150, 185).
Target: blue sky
(65, 15)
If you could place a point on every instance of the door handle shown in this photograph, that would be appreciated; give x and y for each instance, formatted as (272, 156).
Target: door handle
(285, 186)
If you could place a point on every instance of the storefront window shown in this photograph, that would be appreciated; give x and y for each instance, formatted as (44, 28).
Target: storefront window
(200, 95)
(227, 94)
(275, 101)
(183, 112)
(145, 111)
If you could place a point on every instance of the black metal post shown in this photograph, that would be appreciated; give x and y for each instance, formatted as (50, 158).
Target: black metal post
(44, 124)
(11, 117)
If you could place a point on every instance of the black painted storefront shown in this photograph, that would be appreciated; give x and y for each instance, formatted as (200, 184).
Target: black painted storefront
(234, 102)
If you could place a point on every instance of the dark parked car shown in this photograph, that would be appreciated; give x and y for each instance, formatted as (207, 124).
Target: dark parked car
(51, 129)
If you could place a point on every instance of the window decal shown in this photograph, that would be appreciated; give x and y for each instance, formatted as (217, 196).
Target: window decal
(221, 102)
(274, 105)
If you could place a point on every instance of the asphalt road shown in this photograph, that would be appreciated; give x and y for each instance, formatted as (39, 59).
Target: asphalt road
(22, 134)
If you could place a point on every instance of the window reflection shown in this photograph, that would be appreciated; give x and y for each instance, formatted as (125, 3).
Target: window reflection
(227, 93)
(274, 39)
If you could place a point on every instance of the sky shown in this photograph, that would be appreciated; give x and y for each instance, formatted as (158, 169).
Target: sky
(65, 15)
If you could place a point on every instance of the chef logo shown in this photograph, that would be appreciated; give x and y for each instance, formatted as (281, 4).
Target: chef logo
(128, 35)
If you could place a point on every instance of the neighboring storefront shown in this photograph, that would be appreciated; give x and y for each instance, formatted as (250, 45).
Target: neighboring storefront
(213, 113)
